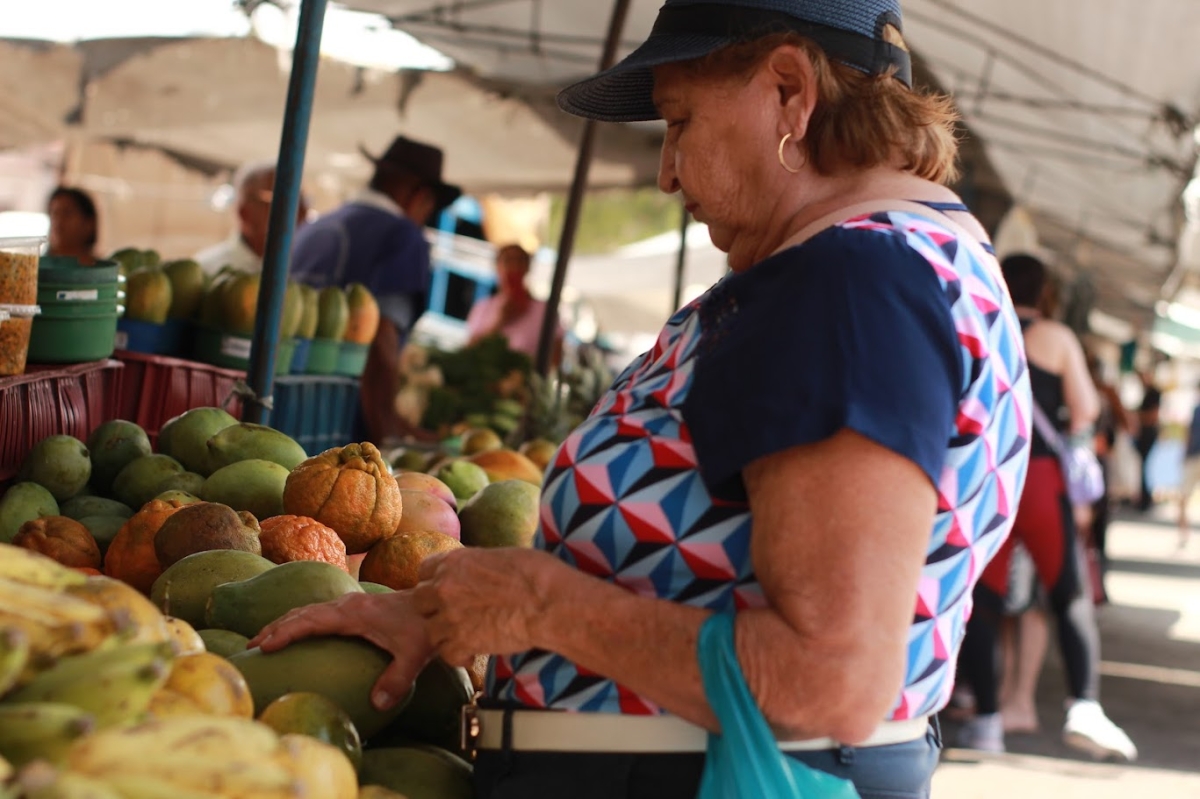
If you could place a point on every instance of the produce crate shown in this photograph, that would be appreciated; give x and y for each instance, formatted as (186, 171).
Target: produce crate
(316, 410)
(157, 388)
(47, 400)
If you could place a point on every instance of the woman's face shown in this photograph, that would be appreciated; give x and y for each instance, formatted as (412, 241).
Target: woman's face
(70, 230)
(720, 151)
(511, 268)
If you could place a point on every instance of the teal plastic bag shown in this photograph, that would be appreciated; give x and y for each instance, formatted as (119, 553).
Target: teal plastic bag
(744, 761)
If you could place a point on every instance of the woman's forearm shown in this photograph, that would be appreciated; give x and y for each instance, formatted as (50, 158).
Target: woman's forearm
(805, 683)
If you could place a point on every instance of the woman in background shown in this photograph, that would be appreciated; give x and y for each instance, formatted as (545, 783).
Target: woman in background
(74, 225)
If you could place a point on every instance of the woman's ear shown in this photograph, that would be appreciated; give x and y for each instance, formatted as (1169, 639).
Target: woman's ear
(794, 78)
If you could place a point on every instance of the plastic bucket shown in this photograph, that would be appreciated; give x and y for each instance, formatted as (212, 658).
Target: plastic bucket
(73, 338)
(352, 359)
(300, 356)
(222, 349)
(323, 356)
(152, 338)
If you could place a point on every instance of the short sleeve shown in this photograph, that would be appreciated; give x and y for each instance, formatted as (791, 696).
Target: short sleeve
(850, 330)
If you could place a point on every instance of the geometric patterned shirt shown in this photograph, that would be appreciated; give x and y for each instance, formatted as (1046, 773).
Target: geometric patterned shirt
(882, 324)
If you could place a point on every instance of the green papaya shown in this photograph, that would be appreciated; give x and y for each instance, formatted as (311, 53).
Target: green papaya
(343, 670)
(418, 772)
(184, 588)
(245, 441)
(249, 605)
(225, 643)
(434, 714)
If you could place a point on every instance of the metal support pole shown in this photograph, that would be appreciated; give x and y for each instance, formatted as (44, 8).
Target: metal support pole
(583, 164)
(285, 200)
(681, 259)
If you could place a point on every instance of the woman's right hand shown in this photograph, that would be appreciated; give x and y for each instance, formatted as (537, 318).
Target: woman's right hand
(386, 620)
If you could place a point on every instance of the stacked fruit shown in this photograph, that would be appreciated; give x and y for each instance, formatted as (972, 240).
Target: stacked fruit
(98, 699)
(226, 528)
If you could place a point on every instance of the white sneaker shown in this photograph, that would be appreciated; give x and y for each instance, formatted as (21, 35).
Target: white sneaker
(983, 733)
(1089, 730)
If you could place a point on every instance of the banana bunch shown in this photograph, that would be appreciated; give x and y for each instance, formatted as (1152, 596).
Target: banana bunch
(34, 605)
(196, 757)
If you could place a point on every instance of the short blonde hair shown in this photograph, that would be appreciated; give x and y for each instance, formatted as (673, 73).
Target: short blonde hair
(860, 120)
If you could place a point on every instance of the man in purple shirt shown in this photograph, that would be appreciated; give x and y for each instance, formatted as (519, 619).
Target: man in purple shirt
(377, 239)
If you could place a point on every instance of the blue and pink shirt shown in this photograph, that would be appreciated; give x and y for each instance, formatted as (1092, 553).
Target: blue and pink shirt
(883, 324)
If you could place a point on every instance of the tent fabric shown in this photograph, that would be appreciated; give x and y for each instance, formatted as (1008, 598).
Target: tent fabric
(1086, 110)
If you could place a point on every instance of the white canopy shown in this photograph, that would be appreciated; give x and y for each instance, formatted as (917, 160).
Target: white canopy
(1085, 110)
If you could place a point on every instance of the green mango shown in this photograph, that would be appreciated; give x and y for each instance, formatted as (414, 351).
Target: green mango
(184, 588)
(141, 481)
(103, 528)
(249, 605)
(185, 437)
(310, 311)
(187, 287)
(418, 772)
(343, 670)
(255, 486)
(245, 441)
(22, 503)
(333, 315)
(113, 445)
(225, 643)
(60, 464)
(78, 507)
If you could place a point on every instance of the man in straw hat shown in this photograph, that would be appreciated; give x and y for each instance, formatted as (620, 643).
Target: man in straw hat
(376, 239)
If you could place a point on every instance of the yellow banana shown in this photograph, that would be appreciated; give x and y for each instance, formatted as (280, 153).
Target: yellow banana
(6, 771)
(68, 785)
(264, 779)
(216, 738)
(114, 685)
(32, 568)
(55, 623)
(143, 786)
(14, 655)
(40, 730)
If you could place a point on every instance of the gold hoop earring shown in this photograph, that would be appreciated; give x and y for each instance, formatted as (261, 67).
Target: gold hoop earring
(783, 161)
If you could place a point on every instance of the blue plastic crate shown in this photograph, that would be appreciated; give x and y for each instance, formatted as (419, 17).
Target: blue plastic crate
(316, 410)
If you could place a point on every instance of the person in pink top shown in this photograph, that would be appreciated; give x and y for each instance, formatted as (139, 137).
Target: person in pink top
(512, 311)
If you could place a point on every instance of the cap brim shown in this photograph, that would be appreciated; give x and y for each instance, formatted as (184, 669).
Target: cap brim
(625, 92)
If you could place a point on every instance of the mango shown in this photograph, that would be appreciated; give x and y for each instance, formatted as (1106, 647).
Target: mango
(183, 589)
(333, 314)
(103, 528)
(307, 713)
(374, 588)
(310, 311)
(203, 526)
(148, 295)
(255, 486)
(479, 440)
(343, 670)
(60, 464)
(249, 605)
(79, 507)
(185, 482)
(293, 311)
(112, 446)
(185, 437)
(239, 303)
(465, 479)
(503, 514)
(187, 287)
(223, 642)
(142, 480)
(245, 441)
(504, 464)
(418, 481)
(434, 714)
(426, 512)
(22, 503)
(418, 772)
(182, 497)
(540, 452)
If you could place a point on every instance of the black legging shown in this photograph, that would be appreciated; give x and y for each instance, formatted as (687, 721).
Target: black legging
(1146, 439)
(1046, 526)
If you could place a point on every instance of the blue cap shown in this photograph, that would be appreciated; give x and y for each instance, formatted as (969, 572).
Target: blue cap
(849, 31)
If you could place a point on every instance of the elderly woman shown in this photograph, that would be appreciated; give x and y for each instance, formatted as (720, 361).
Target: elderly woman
(830, 442)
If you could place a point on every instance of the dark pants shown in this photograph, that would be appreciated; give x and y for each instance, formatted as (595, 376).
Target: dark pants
(1146, 439)
(901, 771)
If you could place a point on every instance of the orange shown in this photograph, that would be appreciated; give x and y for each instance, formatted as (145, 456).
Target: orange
(396, 561)
(288, 538)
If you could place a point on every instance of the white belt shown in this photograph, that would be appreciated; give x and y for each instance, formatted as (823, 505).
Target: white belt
(563, 731)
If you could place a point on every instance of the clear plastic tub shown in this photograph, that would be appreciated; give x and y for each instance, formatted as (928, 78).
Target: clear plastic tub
(19, 270)
(16, 324)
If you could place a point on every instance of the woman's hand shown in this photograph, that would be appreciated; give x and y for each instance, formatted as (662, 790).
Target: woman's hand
(484, 601)
(386, 620)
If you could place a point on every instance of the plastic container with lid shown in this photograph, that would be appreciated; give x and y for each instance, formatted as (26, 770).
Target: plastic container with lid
(15, 327)
(19, 270)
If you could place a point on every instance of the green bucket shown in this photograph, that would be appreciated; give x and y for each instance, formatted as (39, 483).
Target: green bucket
(49, 293)
(71, 310)
(352, 359)
(74, 338)
(323, 356)
(222, 349)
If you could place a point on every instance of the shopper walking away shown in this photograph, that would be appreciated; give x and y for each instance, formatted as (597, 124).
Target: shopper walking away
(1045, 524)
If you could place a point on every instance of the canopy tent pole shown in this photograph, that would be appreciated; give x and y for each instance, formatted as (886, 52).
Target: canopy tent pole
(285, 202)
(583, 163)
(681, 259)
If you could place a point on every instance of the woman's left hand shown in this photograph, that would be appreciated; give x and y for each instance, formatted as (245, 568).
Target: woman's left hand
(483, 601)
